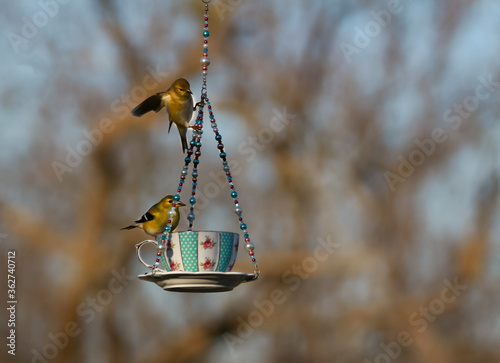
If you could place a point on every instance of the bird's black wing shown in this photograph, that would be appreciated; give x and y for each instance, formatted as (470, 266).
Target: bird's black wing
(145, 217)
(152, 103)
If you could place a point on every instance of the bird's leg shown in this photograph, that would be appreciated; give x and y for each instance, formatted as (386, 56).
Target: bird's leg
(200, 104)
(195, 127)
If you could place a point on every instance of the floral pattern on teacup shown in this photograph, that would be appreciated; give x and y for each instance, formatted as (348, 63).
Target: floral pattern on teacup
(174, 265)
(208, 243)
(208, 264)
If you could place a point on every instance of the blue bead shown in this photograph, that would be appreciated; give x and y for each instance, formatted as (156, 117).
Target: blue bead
(206, 33)
(228, 177)
(177, 197)
(192, 200)
(218, 137)
(168, 228)
(187, 159)
(196, 161)
(192, 143)
(198, 144)
(246, 235)
(195, 174)
(226, 168)
(234, 194)
(222, 154)
(243, 226)
(211, 116)
(195, 184)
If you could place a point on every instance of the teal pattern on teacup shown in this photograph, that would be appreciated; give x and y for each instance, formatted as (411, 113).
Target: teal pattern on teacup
(163, 258)
(226, 246)
(189, 250)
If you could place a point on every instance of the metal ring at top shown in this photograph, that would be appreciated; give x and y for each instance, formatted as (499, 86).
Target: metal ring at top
(206, 1)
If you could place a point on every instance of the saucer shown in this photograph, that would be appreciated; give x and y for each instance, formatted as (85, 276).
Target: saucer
(198, 281)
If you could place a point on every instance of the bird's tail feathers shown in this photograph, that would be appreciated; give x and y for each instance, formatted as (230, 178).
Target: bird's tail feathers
(129, 227)
(183, 132)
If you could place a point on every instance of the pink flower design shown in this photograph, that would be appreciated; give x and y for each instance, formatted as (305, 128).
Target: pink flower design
(208, 243)
(207, 265)
(174, 266)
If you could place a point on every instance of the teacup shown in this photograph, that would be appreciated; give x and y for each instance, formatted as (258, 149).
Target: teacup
(195, 251)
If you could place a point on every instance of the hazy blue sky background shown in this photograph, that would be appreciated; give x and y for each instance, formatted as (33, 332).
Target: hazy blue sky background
(67, 76)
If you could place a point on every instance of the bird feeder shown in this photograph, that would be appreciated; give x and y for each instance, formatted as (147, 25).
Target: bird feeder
(200, 261)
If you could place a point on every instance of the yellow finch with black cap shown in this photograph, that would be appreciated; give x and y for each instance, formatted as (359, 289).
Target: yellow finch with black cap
(154, 221)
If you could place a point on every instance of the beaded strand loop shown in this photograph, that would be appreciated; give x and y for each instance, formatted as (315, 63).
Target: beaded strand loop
(195, 149)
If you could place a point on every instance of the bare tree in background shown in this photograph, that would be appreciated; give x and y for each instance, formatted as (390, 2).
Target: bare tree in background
(356, 264)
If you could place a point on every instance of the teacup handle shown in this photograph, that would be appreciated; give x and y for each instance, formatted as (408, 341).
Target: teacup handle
(138, 251)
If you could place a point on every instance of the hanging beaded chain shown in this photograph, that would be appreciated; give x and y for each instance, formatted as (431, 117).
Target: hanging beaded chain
(196, 143)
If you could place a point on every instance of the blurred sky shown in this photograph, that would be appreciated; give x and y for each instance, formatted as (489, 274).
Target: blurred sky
(29, 71)
(32, 76)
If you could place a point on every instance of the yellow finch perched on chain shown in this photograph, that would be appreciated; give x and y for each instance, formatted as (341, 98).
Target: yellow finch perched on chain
(154, 221)
(179, 103)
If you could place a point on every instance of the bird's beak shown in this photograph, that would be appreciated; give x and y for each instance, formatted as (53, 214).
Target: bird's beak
(189, 91)
(180, 204)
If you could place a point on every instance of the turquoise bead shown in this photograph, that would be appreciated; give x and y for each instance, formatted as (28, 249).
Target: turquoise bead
(177, 197)
(187, 159)
(234, 194)
(206, 33)
(168, 229)
(222, 155)
(243, 226)
(192, 200)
